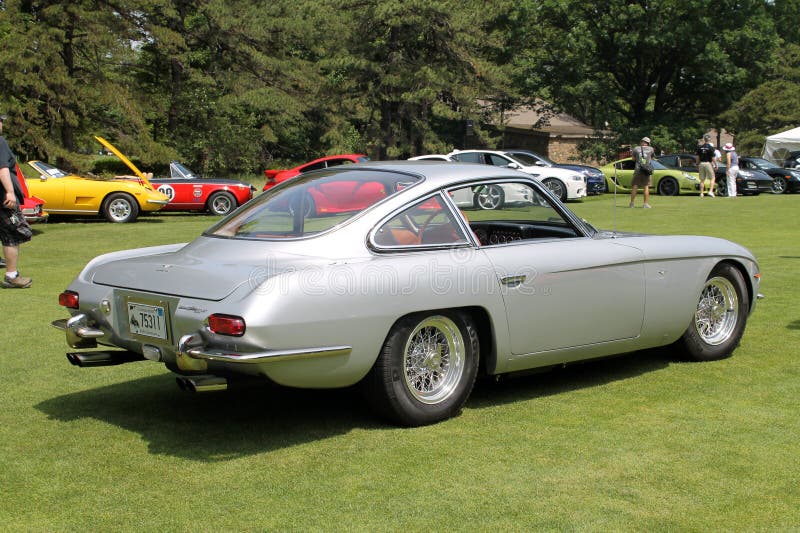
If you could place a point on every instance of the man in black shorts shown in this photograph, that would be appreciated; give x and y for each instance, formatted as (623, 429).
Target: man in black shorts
(14, 229)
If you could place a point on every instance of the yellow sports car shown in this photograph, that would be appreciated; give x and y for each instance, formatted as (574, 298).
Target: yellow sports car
(118, 200)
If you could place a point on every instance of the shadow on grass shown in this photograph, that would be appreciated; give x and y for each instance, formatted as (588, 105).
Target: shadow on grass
(98, 219)
(247, 419)
(575, 376)
(253, 418)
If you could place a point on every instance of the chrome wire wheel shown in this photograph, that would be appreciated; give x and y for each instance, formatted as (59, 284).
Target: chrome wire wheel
(433, 359)
(717, 311)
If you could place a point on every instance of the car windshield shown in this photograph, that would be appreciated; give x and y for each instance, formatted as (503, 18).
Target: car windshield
(178, 171)
(657, 165)
(529, 160)
(762, 163)
(312, 203)
(50, 170)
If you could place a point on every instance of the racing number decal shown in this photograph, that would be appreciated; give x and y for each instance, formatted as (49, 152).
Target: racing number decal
(168, 190)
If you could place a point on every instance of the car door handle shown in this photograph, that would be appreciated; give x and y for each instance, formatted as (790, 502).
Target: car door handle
(512, 280)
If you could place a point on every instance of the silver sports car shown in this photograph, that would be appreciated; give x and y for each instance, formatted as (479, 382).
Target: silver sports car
(372, 274)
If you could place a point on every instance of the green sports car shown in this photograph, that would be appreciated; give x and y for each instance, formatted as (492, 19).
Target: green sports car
(666, 181)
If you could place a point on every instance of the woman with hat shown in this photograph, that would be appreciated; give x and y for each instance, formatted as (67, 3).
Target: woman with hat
(732, 160)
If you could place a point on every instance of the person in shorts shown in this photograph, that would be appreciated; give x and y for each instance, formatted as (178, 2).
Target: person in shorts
(706, 164)
(642, 154)
(14, 229)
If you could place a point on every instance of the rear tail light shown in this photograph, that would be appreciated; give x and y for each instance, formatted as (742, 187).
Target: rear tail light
(230, 325)
(68, 299)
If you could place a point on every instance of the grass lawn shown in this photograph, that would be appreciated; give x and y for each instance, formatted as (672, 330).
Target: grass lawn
(639, 442)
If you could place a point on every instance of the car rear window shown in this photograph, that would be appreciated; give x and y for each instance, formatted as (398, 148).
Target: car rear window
(311, 204)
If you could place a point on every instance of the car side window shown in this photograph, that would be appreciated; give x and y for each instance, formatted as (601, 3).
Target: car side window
(471, 157)
(315, 166)
(628, 164)
(426, 223)
(337, 162)
(509, 211)
(497, 160)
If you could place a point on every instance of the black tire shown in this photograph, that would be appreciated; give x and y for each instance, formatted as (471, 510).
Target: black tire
(668, 186)
(557, 187)
(221, 203)
(720, 318)
(426, 369)
(778, 185)
(120, 208)
(490, 197)
(722, 187)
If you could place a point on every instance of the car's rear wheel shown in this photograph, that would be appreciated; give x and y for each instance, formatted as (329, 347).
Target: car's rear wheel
(490, 197)
(720, 317)
(778, 185)
(221, 203)
(308, 208)
(426, 369)
(557, 187)
(668, 186)
(120, 207)
(722, 187)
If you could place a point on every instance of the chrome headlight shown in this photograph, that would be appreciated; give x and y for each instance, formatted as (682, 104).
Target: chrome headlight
(746, 173)
(577, 177)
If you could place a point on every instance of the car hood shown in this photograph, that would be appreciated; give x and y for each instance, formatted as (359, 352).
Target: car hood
(207, 269)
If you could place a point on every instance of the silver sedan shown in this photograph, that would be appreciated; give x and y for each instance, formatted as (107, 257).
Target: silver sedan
(374, 274)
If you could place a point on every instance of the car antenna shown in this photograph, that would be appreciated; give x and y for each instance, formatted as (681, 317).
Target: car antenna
(615, 200)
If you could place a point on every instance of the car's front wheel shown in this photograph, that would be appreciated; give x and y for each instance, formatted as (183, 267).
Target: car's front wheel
(221, 203)
(778, 185)
(668, 186)
(557, 187)
(426, 369)
(120, 208)
(720, 317)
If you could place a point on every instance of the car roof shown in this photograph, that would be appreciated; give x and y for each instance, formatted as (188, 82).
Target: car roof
(442, 173)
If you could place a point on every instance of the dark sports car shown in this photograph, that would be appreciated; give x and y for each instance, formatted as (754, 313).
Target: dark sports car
(783, 179)
(595, 179)
(749, 181)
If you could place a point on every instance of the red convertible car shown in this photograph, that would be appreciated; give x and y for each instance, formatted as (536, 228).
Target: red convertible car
(275, 177)
(32, 206)
(189, 192)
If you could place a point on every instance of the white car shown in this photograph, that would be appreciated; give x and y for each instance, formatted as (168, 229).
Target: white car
(431, 157)
(486, 197)
(566, 184)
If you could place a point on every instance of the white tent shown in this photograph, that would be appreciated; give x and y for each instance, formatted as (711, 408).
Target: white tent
(779, 145)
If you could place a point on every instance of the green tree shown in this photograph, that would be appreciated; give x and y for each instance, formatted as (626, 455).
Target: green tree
(409, 74)
(59, 60)
(632, 65)
(769, 108)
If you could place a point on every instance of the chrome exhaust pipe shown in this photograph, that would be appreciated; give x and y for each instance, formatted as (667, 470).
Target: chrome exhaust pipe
(89, 359)
(202, 383)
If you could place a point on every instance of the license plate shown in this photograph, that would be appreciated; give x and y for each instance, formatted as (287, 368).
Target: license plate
(147, 320)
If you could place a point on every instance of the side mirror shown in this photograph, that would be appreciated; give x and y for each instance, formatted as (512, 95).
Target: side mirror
(540, 164)
(513, 165)
(43, 177)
